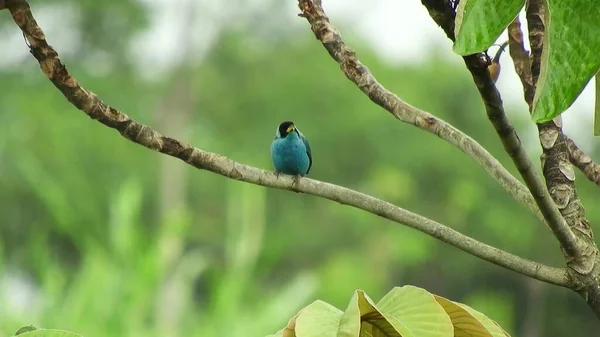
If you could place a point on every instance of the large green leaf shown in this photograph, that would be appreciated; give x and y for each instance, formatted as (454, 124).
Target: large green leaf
(414, 312)
(468, 322)
(493, 328)
(570, 57)
(479, 23)
(374, 322)
(319, 319)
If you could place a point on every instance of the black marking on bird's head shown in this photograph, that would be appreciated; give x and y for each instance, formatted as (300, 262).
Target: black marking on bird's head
(285, 128)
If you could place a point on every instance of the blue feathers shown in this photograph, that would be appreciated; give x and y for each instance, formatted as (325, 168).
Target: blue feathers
(290, 150)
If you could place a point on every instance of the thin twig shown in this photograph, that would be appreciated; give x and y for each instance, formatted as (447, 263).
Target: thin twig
(143, 135)
(444, 16)
(360, 75)
(583, 162)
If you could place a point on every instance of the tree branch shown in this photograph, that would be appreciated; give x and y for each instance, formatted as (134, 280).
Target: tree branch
(143, 135)
(444, 16)
(355, 71)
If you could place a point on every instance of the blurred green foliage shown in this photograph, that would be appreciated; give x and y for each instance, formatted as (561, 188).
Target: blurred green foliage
(92, 240)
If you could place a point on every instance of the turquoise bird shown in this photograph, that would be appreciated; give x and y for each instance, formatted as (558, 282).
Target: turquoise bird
(290, 150)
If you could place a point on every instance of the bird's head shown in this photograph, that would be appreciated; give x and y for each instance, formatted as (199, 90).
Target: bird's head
(286, 128)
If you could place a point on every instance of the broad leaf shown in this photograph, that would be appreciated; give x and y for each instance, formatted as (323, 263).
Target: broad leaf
(374, 323)
(493, 328)
(479, 23)
(466, 324)
(414, 312)
(570, 56)
(319, 319)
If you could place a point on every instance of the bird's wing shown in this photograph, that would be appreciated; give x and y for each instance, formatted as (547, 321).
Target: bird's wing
(305, 141)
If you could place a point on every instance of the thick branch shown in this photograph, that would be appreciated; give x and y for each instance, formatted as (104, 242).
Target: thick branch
(143, 135)
(355, 71)
(443, 14)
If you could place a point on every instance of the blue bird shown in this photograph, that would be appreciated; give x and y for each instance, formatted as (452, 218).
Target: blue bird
(290, 150)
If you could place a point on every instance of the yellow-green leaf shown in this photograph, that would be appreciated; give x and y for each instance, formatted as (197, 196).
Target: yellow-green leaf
(374, 323)
(414, 312)
(318, 319)
(465, 324)
(491, 326)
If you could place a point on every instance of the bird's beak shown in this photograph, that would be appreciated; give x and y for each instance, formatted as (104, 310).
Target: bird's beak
(290, 129)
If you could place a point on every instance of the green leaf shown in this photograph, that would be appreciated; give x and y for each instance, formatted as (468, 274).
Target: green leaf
(47, 333)
(374, 322)
(466, 323)
(479, 23)
(350, 322)
(25, 329)
(491, 326)
(414, 312)
(319, 319)
(570, 56)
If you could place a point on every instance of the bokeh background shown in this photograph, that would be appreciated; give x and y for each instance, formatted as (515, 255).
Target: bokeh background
(105, 238)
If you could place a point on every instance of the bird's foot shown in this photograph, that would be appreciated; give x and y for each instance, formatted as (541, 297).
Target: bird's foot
(296, 179)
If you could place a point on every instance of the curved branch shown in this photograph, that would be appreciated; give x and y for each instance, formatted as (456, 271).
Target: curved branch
(143, 135)
(355, 71)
